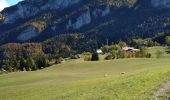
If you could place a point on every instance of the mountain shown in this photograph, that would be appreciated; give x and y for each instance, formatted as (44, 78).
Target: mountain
(97, 20)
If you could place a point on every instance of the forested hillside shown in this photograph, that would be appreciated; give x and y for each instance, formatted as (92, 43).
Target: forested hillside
(36, 21)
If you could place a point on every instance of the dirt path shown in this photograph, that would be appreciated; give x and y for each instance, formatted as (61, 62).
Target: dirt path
(161, 94)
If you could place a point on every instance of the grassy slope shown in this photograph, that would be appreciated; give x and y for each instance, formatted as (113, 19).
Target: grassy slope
(85, 80)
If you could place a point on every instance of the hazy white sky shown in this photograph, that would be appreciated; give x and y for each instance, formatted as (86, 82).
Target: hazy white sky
(7, 3)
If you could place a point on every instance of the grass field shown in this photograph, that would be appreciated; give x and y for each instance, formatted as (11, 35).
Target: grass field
(79, 80)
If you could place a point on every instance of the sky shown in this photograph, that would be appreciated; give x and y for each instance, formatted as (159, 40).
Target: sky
(7, 3)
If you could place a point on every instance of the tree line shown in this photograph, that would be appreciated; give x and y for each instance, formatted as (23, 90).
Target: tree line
(34, 56)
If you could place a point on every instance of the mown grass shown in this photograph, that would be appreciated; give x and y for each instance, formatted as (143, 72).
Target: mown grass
(79, 80)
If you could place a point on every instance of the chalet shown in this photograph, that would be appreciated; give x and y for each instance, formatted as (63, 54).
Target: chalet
(132, 49)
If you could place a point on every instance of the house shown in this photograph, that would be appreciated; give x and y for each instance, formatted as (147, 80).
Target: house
(132, 49)
(99, 51)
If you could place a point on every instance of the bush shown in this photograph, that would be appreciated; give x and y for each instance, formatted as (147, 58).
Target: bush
(110, 57)
(87, 56)
(167, 40)
(148, 55)
(121, 54)
(95, 57)
(74, 57)
(59, 60)
(143, 53)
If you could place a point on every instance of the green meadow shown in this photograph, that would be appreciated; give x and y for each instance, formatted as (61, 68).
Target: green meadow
(122, 79)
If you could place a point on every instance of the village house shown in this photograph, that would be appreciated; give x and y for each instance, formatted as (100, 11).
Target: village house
(99, 51)
(132, 49)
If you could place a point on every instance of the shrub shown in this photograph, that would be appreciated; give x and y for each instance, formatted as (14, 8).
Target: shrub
(74, 57)
(59, 60)
(87, 56)
(110, 57)
(121, 54)
(148, 55)
(167, 40)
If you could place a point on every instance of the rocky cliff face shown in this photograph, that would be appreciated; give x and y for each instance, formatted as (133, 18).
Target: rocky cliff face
(30, 8)
(38, 20)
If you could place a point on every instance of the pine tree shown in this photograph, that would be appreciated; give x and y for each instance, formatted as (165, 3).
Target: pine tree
(42, 61)
(22, 64)
(95, 57)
